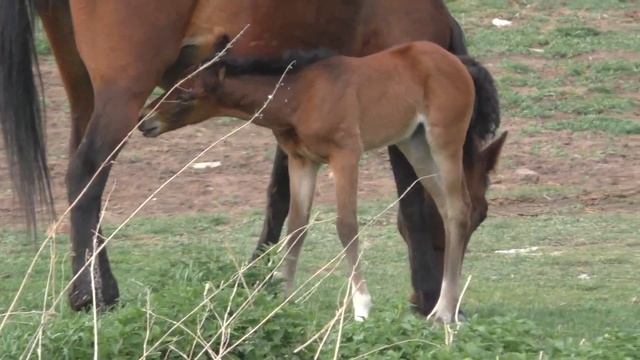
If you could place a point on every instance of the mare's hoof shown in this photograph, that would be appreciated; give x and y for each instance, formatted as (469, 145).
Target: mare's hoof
(80, 300)
(423, 303)
(81, 297)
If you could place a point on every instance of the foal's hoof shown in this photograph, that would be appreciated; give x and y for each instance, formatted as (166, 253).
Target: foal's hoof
(361, 306)
(443, 319)
(423, 304)
(441, 315)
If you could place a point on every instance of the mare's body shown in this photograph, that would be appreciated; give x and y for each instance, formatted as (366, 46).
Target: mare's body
(415, 96)
(111, 54)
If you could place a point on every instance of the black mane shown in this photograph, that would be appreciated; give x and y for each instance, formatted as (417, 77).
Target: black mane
(485, 120)
(275, 65)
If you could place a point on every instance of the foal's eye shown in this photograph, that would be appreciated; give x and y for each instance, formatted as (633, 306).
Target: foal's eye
(185, 97)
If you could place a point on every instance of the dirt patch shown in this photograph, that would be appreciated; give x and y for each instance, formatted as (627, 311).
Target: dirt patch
(238, 185)
(602, 166)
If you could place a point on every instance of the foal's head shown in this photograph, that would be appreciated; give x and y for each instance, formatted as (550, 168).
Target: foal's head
(193, 101)
(205, 95)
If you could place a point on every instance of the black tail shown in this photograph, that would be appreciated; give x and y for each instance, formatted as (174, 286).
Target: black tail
(20, 116)
(457, 44)
(486, 113)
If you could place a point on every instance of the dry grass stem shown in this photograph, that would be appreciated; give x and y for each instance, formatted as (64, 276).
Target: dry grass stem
(199, 339)
(338, 257)
(53, 229)
(464, 291)
(149, 321)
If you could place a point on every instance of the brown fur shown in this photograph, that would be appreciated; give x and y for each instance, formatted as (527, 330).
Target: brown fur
(416, 96)
(112, 54)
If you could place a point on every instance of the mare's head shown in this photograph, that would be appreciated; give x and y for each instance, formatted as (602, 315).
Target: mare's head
(193, 101)
(478, 165)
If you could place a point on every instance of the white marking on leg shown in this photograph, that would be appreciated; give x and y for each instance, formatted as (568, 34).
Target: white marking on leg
(361, 304)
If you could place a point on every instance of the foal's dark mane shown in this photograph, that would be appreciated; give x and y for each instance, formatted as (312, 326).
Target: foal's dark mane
(275, 65)
(486, 113)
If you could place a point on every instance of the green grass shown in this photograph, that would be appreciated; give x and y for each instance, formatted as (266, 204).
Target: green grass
(534, 192)
(553, 61)
(41, 42)
(519, 305)
(596, 123)
(575, 297)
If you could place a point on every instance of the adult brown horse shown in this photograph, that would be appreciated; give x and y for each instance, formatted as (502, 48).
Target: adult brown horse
(111, 54)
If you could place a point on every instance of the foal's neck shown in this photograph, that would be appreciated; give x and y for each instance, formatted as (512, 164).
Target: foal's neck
(248, 94)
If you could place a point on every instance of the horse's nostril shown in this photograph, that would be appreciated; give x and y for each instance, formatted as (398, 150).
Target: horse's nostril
(142, 125)
(149, 128)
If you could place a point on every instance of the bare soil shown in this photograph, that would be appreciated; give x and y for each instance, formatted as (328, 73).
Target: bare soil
(596, 172)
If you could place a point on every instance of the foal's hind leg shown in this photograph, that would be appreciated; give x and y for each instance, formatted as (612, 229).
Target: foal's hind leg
(440, 167)
(303, 174)
(345, 170)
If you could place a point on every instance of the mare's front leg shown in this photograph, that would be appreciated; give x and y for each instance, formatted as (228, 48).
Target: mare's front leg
(303, 174)
(421, 227)
(277, 203)
(344, 166)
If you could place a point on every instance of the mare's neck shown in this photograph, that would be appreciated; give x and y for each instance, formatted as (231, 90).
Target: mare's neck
(248, 93)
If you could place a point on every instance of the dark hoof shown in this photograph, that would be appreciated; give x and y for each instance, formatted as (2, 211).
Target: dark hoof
(80, 299)
(81, 296)
(423, 303)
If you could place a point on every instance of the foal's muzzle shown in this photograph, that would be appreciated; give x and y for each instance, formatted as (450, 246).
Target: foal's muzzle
(151, 127)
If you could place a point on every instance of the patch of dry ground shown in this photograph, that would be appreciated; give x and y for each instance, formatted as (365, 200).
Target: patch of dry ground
(593, 171)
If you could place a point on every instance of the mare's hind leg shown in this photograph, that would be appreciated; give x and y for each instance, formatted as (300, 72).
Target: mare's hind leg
(345, 171)
(124, 67)
(115, 116)
(56, 20)
(440, 168)
(303, 174)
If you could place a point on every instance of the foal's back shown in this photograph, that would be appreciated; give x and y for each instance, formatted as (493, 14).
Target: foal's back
(384, 97)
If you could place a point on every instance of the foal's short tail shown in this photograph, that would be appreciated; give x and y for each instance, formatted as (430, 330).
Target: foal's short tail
(486, 113)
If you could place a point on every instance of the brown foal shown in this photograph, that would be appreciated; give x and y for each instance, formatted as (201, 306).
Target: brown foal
(416, 96)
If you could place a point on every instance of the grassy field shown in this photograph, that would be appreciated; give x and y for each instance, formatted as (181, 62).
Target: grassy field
(564, 66)
(573, 295)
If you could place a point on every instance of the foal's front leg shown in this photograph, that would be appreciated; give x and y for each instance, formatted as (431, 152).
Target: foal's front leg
(302, 180)
(345, 171)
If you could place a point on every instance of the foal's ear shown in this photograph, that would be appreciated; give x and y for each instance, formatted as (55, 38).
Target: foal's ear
(212, 78)
(221, 44)
(491, 153)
